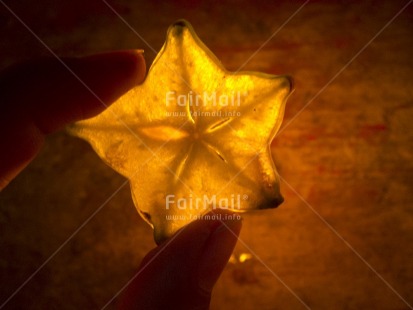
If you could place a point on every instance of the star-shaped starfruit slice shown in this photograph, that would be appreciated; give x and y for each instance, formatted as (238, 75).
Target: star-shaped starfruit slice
(193, 136)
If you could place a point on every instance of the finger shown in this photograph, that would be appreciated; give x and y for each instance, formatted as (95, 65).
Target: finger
(183, 270)
(43, 95)
(54, 93)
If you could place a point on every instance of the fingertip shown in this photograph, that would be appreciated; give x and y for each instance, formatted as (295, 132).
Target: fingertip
(128, 65)
(90, 84)
(218, 249)
(139, 64)
(111, 74)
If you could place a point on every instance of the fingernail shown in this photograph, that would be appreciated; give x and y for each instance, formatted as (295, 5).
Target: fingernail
(217, 251)
(125, 62)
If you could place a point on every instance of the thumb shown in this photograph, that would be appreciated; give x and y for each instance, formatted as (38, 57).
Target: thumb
(181, 272)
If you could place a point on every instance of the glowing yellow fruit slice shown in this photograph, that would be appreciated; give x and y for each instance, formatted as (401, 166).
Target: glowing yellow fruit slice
(193, 136)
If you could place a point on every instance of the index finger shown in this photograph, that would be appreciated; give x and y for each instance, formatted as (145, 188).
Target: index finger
(43, 95)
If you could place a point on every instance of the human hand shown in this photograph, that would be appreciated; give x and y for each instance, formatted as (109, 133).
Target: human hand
(42, 96)
(181, 272)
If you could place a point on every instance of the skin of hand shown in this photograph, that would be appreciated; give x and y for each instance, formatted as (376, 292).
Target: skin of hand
(41, 96)
(182, 271)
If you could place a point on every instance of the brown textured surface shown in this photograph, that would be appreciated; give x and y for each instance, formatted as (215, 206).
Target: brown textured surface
(349, 154)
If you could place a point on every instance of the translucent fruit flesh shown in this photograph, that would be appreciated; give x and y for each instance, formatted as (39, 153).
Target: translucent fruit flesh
(193, 136)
